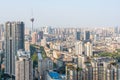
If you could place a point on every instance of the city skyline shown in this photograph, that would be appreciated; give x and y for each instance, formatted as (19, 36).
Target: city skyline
(59, 53)
(59, 40)
(77, 13)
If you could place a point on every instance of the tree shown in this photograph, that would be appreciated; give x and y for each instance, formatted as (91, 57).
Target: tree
(35, 60)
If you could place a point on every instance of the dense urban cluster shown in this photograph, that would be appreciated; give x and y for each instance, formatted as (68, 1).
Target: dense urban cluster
(56, 53)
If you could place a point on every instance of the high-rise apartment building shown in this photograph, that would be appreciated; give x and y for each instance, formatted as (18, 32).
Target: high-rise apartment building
(79, 47)
(1, 31)
(40, 35)
(1, 44)
(117, 29)
(105, 69)
(44, 64)
(101, 68)
(14, 40)
(24, 66)
(71, 71)
(27, 45)
(34, 37)
(47, 30)
(88, 49)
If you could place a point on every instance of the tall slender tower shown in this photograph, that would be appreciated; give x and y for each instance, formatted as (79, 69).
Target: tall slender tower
(14, 40)
(32, 20)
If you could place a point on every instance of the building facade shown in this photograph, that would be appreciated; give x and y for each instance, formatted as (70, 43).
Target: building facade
(88, 49)
(87, 35)
(24, 66)
(79, 47)
(78, 36)
(14, 40)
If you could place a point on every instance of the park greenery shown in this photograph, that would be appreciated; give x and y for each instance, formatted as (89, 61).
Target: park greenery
(79, 69)
(34, 50)
(114, 55)
(35, 60)
(43, 53)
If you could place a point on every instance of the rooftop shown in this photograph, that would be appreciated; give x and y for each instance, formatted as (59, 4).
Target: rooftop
(54, 75)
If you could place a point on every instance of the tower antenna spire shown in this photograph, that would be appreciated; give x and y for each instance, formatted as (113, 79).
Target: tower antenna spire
(32, 21)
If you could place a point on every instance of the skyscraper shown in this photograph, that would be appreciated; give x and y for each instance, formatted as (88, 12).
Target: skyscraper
(87, 35)
(78, 36)
(14, 40)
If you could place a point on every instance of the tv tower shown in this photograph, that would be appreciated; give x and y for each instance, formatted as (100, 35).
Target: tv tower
(32, 20)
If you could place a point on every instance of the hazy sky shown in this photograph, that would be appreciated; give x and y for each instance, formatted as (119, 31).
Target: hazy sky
(57, 13)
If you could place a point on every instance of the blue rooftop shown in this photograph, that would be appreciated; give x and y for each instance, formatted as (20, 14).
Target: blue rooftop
(54, 75)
